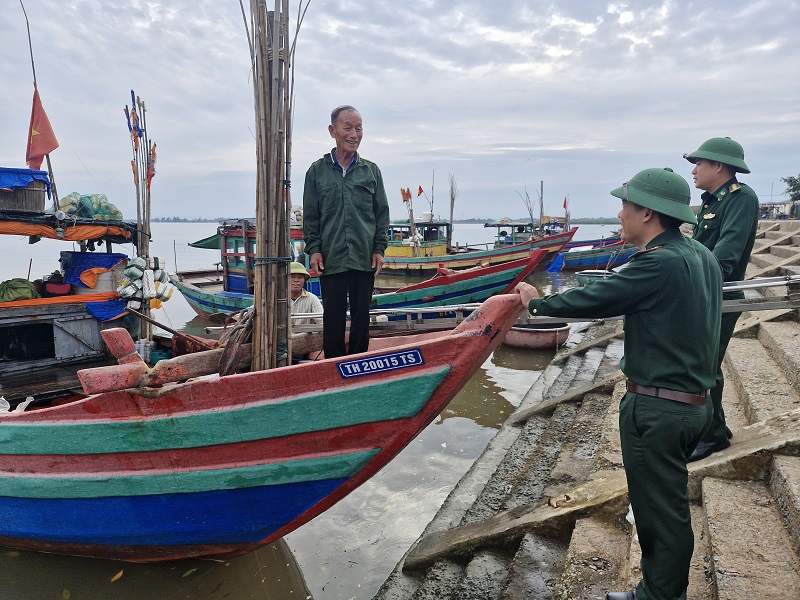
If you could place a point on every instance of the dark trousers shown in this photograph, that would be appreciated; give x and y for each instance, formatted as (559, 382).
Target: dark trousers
(716, 433)
(336, 289)
(657, 437)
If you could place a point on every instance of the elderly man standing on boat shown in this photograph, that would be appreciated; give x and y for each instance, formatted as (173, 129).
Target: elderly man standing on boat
(345, 229)
(726, 224)
(671, 297)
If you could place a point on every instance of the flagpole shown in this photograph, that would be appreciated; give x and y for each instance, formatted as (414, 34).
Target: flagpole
(33, 69)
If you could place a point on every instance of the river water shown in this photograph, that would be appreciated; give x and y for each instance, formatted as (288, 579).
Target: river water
(348, 551)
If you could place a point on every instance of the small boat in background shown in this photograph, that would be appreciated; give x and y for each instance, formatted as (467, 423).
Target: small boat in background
(603, 257)
(592, 243)
(463, 260)
(537, 336)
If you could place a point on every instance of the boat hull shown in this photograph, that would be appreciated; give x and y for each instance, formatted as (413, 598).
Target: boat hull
(219, 466)
(209, 301)
(553, 244)
(605, 257)
(462, 287)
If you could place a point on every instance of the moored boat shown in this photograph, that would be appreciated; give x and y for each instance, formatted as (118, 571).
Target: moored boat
(462, 260)
(604, 257)
(446, 288)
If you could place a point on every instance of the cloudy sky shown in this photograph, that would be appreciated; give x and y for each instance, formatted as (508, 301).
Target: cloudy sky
(502, 95)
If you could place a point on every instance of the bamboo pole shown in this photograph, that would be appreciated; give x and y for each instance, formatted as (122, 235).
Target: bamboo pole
(271, 62)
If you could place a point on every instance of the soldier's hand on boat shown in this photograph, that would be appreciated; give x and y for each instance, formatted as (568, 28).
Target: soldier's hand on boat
(377, 263)
(315, 262)
(526, 293)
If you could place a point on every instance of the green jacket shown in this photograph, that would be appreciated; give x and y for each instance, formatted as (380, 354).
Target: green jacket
(726, 224)
(671, 296)
(346, 218)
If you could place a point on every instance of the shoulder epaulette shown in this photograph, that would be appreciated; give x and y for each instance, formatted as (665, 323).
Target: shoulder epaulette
(734, 187)
(640, 252)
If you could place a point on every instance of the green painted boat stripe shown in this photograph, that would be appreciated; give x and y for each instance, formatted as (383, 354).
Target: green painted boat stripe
(292, 471)
(380, 401)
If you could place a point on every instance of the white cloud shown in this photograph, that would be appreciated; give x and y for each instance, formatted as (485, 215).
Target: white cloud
(499, 95)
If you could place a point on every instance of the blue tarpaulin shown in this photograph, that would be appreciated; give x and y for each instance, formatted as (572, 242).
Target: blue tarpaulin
(75, 263)
(19, 178)
(105, 311)
(557, 264)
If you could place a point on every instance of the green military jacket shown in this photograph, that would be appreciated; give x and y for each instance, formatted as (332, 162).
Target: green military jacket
(671, 297)
(345, 217)
(726, 224)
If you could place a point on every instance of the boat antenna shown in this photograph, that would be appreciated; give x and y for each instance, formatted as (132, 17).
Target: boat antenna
(33, 70)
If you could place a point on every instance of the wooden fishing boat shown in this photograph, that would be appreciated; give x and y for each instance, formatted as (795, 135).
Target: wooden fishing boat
(462, 260)
(461, 287)
(592, 243)
(604, 257)
(445, 288)
(533, 336)
(161, 463)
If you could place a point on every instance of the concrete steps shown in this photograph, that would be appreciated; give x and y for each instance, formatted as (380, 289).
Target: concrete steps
(746, 516)
(531, 454)
(752, 553)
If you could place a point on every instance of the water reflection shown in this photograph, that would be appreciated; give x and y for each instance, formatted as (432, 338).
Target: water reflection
(521, 359)
(270, 573)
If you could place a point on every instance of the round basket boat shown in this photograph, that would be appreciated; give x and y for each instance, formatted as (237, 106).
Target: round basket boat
(536, 336)
(590, 275)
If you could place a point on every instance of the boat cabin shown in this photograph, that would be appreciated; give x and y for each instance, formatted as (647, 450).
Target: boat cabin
(47, 321)
(425, 238)
(511, 233)
(238, 252)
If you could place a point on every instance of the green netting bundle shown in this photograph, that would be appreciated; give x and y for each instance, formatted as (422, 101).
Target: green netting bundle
(95, 206)
(17, 289)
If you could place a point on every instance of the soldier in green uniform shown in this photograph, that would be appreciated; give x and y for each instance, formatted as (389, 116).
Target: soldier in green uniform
(726, 224)
(671, 297)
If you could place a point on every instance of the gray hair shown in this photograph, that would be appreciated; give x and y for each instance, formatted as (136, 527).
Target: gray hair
(339, 110)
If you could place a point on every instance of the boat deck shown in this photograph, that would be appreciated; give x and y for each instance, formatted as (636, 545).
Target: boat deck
(46, 384)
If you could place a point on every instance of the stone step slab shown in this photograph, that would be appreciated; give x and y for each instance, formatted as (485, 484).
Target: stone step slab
(760, 383)
(752, 555)
(597, 554)
(785, 485)
(782, 341)
(536, 568)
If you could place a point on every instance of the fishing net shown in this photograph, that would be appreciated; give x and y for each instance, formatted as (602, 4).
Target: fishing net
(95, 206)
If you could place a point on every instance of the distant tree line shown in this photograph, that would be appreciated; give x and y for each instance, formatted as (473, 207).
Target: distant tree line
(189, 220)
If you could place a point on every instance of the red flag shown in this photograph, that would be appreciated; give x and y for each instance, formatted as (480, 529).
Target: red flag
(419, 193)
(565, 202)
(41, 139)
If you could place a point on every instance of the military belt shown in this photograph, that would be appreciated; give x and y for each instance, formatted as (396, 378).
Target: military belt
(685, 397)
